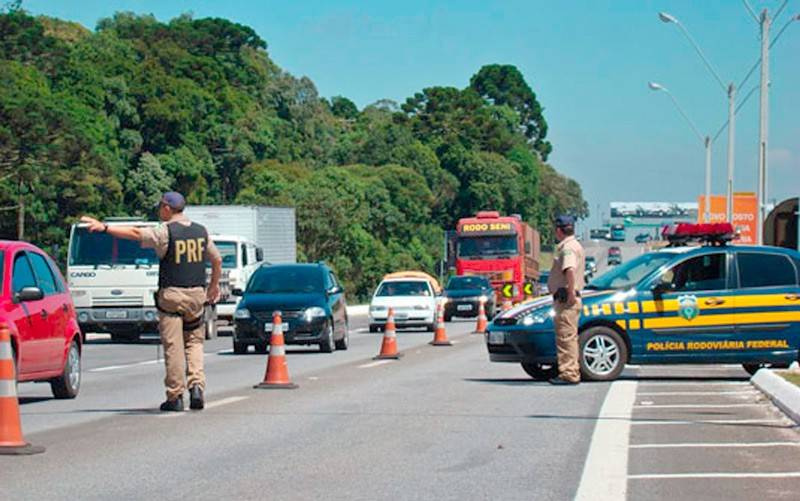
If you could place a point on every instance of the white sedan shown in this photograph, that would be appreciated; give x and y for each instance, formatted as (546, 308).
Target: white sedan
(413, 301)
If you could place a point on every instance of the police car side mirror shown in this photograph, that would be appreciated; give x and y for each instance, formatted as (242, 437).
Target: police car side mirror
(237, 292)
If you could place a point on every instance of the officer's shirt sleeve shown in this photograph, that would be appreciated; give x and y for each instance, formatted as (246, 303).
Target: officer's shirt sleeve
(568, 258)
(155, 237)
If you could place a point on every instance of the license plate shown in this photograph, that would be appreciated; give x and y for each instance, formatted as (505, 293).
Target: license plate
(401, 316)
(268, 327)
(116, 314)
(496, 338)
(464, 307)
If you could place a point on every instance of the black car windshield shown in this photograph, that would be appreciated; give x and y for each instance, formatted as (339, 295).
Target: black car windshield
(487, 246)
(286, 280)
(398, 288)
(456, 283)
(630, 273)
(99, 249)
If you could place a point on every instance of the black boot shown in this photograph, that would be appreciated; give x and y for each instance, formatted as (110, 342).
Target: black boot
(173, 405)
(196, 401)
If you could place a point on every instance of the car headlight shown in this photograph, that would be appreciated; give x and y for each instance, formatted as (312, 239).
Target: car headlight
(241, 314)
(78, 293)
(537, 317)
(314, 312)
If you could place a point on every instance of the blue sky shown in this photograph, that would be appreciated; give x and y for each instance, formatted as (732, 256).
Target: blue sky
(588, 62)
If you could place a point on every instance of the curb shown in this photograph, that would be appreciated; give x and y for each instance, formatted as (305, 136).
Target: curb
(782, 393)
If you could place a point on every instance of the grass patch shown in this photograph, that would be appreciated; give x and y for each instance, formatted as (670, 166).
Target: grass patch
(792, 377)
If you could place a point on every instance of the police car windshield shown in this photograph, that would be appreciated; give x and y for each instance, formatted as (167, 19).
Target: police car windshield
(483, 247)
(98, 249)
(630, 273)
(466, 283)
(286, 280)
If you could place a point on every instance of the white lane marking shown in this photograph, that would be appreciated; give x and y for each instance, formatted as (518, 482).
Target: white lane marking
(716, 444)
(375, 364)
(225, 352)
(649, 405)
(693, 383)
(605, 471)
(125, 366)
(359, 331)
(225, 401)
(701, 393)
(666, 476)
(652, 422)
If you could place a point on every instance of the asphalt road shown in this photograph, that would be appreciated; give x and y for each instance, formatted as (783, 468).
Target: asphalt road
(440, 423)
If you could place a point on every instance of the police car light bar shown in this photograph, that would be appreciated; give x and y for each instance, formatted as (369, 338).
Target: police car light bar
(708, 233)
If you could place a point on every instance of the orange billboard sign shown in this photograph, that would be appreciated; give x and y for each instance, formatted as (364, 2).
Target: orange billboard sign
(745, 212)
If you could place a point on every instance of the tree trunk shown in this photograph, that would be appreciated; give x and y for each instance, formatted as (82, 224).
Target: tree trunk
(20, 213)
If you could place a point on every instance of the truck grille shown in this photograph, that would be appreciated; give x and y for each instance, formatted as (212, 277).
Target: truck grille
(105, 301)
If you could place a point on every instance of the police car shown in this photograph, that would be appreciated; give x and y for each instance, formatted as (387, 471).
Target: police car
(685, 304)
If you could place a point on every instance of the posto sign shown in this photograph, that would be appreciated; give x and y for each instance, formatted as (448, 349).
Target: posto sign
(745, 212)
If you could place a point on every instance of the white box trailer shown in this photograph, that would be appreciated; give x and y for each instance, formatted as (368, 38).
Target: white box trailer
(270, 228)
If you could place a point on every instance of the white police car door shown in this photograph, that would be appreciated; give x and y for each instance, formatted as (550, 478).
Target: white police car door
(686, 314)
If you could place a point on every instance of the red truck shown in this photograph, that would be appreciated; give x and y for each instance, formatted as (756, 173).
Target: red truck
(504, 249)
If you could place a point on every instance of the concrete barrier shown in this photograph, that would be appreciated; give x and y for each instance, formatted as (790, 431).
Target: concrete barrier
(782, 393)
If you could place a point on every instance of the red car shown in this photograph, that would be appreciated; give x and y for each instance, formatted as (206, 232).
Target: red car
(37, 307)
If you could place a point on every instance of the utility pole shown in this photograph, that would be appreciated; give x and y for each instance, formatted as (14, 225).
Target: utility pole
(763, 127)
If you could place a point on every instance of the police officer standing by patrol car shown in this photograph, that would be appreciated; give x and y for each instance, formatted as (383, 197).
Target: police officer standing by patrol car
(183, 248)
(566, 281)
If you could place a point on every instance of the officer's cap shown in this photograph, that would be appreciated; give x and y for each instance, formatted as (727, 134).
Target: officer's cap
(564, 220)
(173, 200)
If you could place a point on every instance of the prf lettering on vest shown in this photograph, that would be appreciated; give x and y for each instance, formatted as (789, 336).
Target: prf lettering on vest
(193, 250)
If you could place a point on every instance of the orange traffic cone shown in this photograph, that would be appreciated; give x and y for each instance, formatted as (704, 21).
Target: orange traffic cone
(439, 334)
(11, 441)
(389, 344)
(277, 375)
(482, 320)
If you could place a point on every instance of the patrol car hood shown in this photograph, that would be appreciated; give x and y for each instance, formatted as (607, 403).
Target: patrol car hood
(457, 293)
(588, 298)
(274, 302)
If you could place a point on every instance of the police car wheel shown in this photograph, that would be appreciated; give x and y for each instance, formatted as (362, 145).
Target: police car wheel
(540, 372)
(602, 354)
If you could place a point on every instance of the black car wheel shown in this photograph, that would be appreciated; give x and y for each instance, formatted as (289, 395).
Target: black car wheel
(262, 347)
(240, 348)
(343, 343)
(602, 354)
(448, 317)
(327, 345)
(374, 328)
(540, 372)
(69, 383)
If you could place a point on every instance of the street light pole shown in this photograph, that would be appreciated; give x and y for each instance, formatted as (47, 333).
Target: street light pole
(731, 139)
(763, 123)
(706, 142)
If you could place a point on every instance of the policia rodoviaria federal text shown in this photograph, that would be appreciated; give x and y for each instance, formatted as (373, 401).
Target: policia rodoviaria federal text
(183, 248)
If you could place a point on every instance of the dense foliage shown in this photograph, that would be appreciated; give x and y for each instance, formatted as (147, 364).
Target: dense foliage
(101, 122)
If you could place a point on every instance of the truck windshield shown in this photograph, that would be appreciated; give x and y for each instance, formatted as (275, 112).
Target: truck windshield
(228, 251)
(485, 247)
(96, 249)
(630, 273)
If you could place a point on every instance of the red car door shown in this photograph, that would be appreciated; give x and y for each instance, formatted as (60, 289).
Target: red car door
(33, 326)
(56, 307)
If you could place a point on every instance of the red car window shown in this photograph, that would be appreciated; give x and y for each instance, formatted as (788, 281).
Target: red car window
(23, 274)
(47, 281)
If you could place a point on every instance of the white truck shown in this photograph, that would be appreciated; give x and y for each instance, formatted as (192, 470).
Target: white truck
(113, 282)
(247, 237)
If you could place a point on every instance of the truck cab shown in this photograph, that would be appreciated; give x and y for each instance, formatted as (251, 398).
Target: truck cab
(113, 283)
(240, 259)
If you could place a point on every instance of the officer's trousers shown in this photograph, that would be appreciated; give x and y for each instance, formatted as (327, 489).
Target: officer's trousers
(183, 350)
(566, 324)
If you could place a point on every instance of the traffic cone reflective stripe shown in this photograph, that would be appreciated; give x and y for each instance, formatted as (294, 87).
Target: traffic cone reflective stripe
(277, 375)
(482, 320)
(440, 334)
(389, 343)
(11, 440)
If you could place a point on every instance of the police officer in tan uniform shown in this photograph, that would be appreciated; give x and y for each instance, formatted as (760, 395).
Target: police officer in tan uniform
(183, 248)
(566, 283)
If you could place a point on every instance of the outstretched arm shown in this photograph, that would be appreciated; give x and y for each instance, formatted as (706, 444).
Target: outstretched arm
(125, 232)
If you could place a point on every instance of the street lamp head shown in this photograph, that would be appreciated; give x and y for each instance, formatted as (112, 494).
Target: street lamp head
(667, 18)
(655, 86)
